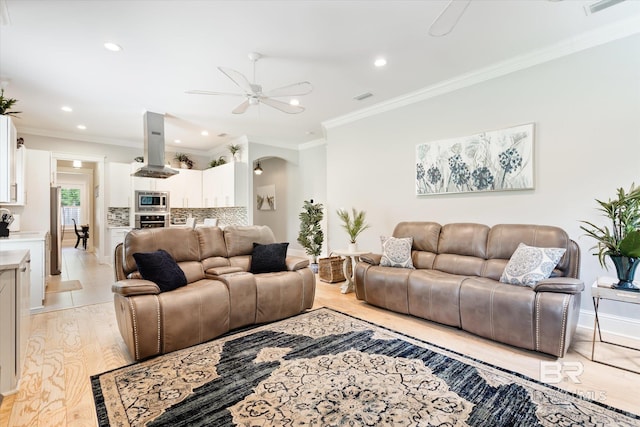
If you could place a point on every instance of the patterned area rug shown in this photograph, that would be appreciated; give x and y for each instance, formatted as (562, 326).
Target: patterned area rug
(325, 368)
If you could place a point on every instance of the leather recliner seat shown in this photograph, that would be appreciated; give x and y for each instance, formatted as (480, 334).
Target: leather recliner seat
(456, 282)
(221, 294)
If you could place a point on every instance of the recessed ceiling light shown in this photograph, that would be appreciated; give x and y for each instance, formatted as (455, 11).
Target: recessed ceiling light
(294, 102)
(380, 62)
(66, 108)
(204, 133)
(77, 164)
(177, 141)
(81, 127)
(113, 47)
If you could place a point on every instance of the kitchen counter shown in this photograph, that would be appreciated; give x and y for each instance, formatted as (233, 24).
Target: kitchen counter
(37, 243)
(10, 260)
(119, 227)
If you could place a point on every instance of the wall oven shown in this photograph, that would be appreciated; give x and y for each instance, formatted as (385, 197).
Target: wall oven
(151, 220)
(152, 201)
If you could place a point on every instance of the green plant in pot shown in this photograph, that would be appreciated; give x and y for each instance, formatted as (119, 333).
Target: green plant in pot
(311, 236)
(185, 161)
(353, 225)
(621, 240)
(6, 104)
(234, 149)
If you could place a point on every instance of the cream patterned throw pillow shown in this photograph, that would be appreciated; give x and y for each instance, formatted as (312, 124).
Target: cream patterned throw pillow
(528, 265)
(396, 252)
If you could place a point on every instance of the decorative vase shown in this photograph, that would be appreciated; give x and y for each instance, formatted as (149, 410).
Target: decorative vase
(626, 269)
(352, 247)
(314, 267)
(184, 165)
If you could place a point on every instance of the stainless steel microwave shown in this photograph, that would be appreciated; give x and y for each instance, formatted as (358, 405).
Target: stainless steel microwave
(152, 201)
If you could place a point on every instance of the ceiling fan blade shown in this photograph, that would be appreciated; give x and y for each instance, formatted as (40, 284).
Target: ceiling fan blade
(296, 89)
(448, 18)
(208, 92)
(241, 108)
(238, 78)
(282, 106)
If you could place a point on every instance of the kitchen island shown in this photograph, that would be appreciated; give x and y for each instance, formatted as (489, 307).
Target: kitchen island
(37, 243)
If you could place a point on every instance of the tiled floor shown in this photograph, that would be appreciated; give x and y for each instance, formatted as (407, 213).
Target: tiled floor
(96, 280)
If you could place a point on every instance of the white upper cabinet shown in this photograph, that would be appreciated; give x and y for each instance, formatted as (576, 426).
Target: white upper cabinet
(224, 186)
(9, 170)
(185, 189)
(119, 181)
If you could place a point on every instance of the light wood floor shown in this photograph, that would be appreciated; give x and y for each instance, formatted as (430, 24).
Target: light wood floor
(69, 345)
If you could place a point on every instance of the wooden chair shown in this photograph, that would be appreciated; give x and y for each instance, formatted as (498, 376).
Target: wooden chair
(82, 234)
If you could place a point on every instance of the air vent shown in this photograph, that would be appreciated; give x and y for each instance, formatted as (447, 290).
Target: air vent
(600, 5)
(363, 96)
(222, 135)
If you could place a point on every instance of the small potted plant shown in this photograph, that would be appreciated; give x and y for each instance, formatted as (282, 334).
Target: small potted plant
(234, 149)
(217, 162)
(6, 104)
(185, 161)
(311, 236)
(621, 242)
(354, 226)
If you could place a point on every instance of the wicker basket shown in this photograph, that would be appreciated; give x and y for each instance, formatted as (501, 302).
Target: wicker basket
(330, 269)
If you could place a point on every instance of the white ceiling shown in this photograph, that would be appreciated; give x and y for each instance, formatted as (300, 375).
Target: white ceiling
(52, 55)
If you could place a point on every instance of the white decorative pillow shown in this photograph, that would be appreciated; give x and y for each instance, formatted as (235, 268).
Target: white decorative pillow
(528, 265)
(396, 252)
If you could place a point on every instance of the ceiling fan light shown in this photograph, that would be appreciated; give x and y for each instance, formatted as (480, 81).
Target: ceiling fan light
(294, 101)
(258, 170)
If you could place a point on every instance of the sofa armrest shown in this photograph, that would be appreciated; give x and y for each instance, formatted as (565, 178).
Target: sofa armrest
(219, 271)
(296, 263)
(373, 259)
(130, 287)
(564, 285)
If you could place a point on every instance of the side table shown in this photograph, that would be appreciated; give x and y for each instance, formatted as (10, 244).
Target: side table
(601, 290)
(348, 285)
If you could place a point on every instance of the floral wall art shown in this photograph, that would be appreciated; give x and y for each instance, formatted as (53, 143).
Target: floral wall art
(489, 161)
(266, 198)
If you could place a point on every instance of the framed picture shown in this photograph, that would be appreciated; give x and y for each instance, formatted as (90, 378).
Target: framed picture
(489, 161)
(266, 198)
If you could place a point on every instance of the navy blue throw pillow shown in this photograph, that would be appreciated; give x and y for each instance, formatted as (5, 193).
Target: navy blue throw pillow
(160, 268)
(269, 258)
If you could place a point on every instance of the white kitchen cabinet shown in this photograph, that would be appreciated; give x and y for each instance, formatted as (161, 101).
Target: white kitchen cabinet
(8, 170)
(14, 317)
(36, 242)
(116, 236)
(185, 189)
(119, 181)
(225, 186)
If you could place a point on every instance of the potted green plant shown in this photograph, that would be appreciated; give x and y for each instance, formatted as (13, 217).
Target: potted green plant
(185, 161)
(234, 149)
(6, 104)
(354, 226)
(217, 162)
(311, 236)
(621, 242)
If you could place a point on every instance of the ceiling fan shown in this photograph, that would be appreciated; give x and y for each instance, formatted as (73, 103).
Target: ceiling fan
(253, 94)
(448, 18)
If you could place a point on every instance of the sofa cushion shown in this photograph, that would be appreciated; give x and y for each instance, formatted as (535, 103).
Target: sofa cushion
(529, 264)
(160, 268)
(396, 252)
(240, 238)
(269, 258)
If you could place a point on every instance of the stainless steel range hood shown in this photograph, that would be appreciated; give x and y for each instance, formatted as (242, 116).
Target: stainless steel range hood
(154, 148)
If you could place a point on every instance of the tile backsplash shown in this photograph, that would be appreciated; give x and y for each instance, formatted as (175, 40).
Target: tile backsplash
(226, 216)
(118, 217)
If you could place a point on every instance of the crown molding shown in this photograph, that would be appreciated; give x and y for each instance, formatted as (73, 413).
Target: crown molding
(75, 137)
(312, 144)
(587, 40)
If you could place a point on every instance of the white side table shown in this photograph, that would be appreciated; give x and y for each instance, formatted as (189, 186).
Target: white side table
(601, 290)
(348, 285)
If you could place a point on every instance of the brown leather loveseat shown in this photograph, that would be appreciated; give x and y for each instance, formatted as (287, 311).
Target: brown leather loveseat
(456, 281)
(220, 294)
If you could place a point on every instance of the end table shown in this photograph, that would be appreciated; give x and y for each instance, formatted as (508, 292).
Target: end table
(348, 285)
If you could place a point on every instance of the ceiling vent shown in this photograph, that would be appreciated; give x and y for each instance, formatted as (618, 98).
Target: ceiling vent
(363, 96)
(600, 5)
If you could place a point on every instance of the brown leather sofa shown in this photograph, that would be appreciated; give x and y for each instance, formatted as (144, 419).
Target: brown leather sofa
(221, 294)
(456, 282)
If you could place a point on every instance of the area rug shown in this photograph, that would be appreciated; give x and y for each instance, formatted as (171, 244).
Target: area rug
(325, 368)
(64, 286)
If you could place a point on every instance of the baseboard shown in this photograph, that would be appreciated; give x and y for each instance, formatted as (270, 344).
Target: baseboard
(625, 327)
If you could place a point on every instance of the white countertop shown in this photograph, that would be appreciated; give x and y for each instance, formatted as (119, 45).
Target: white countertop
(23, 236)
(10, 260)
(119, 227)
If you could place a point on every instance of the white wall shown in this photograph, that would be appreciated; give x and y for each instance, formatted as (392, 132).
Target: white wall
(586, 110)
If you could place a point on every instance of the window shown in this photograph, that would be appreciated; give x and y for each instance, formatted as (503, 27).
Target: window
(70, 201)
